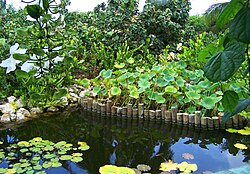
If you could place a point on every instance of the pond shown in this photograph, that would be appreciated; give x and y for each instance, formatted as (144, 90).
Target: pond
(126, 142)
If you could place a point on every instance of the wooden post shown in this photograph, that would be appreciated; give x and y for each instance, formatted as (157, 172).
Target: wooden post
(163, 111)
(185, 118)
(191, 120)
(197, 119)
(241, 118)
(179, 118)
(168, 116)
(229, 123)
(210, 123)
(94, 106)
(236, 121)
(98, 107)
(174, 114)
(151, 114)
(129, 111)
(158, 114)
(140, 110)
(124, 111)
(103, 109)
(204, 122)
(113, 110)
(216, 121)
(146, 114)
(135, 113)
(90, 103)
(119, 111)
(109, 105)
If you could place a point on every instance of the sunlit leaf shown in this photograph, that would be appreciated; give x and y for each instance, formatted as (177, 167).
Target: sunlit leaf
(83, 146)
(240, 146)
(119, 66)
(143, 167)
(231, 130)
(168, 166)
(187, 168)
(115, 91)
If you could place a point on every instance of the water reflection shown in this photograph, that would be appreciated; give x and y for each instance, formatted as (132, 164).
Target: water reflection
(126, 142)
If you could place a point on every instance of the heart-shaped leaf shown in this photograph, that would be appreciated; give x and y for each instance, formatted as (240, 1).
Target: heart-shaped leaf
(224, 64)
(115, 91)
(230, 100)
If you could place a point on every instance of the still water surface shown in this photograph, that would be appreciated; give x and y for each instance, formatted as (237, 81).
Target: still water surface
(126, 142)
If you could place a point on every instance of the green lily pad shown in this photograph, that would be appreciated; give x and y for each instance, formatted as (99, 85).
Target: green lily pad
(161, 82)
(144, 84)
(131, 60)
(170, 89)
(134, 94)
(77, 159)
(180, 82)
(38, 167)
(193, 95)
(119, 66)
(115, 91)
(83, 146)
(107, 74)
(160, 99)
(208, 102)
(65, 157)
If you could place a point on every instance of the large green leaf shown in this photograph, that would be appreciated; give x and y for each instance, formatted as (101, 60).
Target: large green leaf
(35, 11)
(38, 51)
(240, 26)
(115, 91)
(21, 74)
(230, 100)
(207, 52)
(242, 105)
(224, 64)
(60, 93)
(228, 13)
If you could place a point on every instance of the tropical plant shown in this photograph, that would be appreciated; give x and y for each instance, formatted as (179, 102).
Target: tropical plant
(234, 55)
(41, 79)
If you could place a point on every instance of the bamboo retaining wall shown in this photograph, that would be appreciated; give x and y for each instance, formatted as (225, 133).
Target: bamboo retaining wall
(169, 116)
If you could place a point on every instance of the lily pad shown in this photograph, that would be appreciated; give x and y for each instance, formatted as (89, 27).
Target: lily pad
(240, 146)
(115, 91)
(168, 166)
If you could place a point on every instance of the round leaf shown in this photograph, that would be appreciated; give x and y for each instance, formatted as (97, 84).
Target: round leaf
(115, 91)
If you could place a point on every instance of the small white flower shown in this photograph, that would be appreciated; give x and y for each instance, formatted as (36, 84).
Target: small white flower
(28, 66)
(11, 63)
(179, 47)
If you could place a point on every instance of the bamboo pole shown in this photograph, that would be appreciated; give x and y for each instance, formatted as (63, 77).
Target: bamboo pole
(197, 119)
(179, 118)
(204, 122)
(90, 103)
(236, 121)
(113, 110)
(216, 121)
(135, 113)
(140, 110)
(124, 111)
(163, 111)
(129, 111)
(146, 114)
(185, 118)
(168, 116)
(119, 111)
(151, 115)
(191, 120)
(103, 109)
(158, 115)
(109, 105)
(210, 123)
(174, 114)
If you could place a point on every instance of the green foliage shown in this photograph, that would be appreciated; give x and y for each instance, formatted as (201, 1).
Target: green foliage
(37, 155)
(224, 64)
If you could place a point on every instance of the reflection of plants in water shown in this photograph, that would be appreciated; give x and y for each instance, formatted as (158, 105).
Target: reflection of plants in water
(38, 155)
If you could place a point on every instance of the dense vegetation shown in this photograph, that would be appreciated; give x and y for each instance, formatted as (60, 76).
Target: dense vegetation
(159, 55)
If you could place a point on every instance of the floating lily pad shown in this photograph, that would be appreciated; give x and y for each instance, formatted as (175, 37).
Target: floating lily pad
(83, 146)
(168, 166)
(143, 167)
(240, 146)
(187, 168)
(77, 159)
(187, 156)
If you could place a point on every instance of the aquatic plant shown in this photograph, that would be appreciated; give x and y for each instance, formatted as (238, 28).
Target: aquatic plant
(38, 155)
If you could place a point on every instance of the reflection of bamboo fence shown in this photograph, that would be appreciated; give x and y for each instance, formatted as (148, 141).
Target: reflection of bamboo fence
(169, 116)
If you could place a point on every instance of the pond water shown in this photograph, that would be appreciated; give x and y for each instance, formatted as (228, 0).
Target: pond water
(126, 142)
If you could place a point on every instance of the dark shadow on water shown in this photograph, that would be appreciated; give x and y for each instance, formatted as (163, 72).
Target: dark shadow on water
(127, 142)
